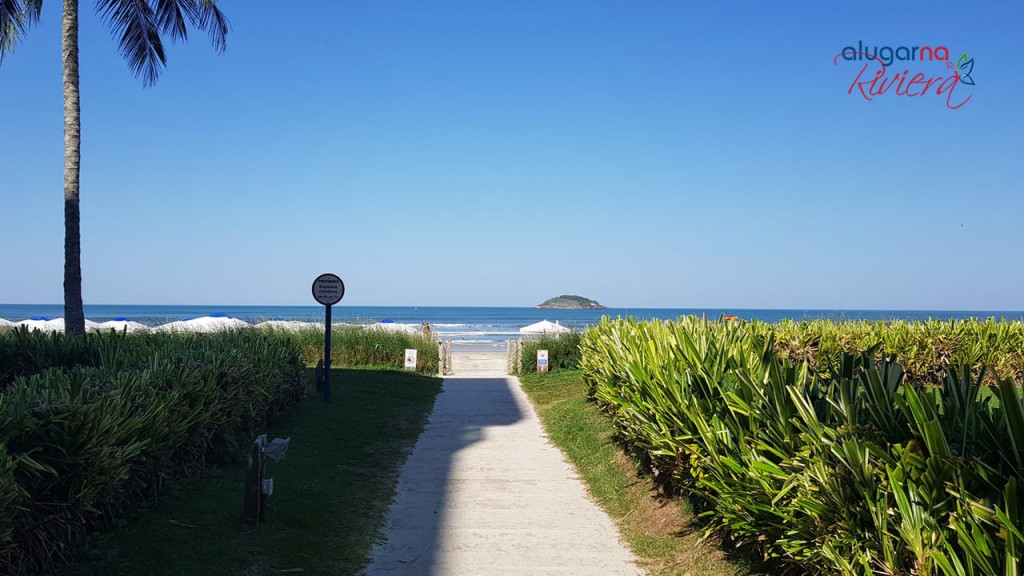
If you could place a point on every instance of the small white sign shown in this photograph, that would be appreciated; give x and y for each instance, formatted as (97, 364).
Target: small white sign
(328, 289)
(542, 360)
(410, 358)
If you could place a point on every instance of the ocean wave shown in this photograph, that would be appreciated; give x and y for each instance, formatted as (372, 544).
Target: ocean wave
(477, 333)
(468, 346)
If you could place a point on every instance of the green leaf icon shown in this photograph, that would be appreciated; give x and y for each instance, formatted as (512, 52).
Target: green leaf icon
(965, 66)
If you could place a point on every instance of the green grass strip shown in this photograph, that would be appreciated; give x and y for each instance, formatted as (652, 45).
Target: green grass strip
(660, 531)
(330, 494)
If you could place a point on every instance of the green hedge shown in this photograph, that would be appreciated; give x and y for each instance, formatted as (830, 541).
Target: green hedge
(85, 442)
(859, 469)
(925, 349)
(27, 352)
(355, 346)
(563, 352)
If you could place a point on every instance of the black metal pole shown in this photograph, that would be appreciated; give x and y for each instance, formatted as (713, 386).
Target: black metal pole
(327, 356)
(253, 485)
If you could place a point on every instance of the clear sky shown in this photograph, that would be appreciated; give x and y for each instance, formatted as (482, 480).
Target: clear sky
(662, 153)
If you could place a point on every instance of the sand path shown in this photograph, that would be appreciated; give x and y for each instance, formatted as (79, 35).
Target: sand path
(485, 493)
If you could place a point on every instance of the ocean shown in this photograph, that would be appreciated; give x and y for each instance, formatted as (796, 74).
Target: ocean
(487, 327)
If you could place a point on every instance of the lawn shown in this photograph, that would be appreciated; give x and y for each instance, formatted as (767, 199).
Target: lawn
(660, 531)
(330, 494)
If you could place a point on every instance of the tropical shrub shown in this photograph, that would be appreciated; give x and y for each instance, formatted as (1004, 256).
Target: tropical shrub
(924, 349)
(353, 346)
(86, 441)
(563, 351)
(857, 469)
(27, 352)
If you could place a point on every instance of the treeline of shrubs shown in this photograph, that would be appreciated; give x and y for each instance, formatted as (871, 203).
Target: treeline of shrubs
(925, 349)
(563, 352)
(358, 346)
(829, 458)
(93, 426)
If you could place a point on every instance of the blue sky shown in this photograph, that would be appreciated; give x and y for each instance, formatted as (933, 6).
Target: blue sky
(663, 154)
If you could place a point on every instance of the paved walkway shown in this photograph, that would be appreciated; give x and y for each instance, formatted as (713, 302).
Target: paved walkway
(484, 493)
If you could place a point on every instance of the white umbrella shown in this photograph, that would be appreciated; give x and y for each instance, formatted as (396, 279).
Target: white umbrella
(205, 324)
(121, 325)
(51, 324)
(43, 324)
(544, 327)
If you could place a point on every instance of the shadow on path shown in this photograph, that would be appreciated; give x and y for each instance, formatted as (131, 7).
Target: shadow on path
(463, 413)
(484, 493)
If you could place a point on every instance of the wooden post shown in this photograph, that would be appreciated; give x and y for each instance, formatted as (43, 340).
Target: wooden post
(255, 501)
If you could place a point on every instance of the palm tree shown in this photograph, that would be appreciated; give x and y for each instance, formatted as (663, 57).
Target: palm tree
(141, 26)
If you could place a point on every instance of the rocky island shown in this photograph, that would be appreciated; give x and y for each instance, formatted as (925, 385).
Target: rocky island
(567, 302)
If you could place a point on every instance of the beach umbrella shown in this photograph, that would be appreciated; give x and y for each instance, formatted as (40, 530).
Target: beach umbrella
(205, 324)
(120, 325)
(544, 327)
(43, 324)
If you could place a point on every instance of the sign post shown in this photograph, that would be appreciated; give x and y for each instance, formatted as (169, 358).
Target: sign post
(410, 358)
(328, 289)
(542, 360)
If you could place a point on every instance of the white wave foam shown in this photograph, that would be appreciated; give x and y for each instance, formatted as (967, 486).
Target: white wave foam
(477, 333)
(287, 325)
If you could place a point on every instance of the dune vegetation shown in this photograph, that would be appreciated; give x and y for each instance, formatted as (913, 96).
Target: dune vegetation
(93, 427)
(829, 448)
(356, 346)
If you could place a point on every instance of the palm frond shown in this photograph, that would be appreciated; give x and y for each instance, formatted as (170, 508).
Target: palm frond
(15, 18)
(140, 24)
(140, 44)
(205, 15)
(170, 18)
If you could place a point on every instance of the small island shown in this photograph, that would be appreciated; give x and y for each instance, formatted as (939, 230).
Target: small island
(567, 302)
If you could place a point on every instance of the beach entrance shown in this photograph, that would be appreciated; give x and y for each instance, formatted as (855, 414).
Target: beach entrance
(484, 492)
(478, 361)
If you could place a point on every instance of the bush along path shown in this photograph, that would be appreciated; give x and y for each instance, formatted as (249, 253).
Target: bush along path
(93, 427)
(857, 470)
(331, 492)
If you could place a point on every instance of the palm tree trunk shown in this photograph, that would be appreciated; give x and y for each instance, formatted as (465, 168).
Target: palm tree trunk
(74, 317)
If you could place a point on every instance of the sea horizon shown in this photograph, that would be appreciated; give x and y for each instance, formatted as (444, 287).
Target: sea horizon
(484, 326)
(5, 305)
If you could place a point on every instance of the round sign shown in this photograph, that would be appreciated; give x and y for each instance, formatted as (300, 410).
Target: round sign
(328, 289)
